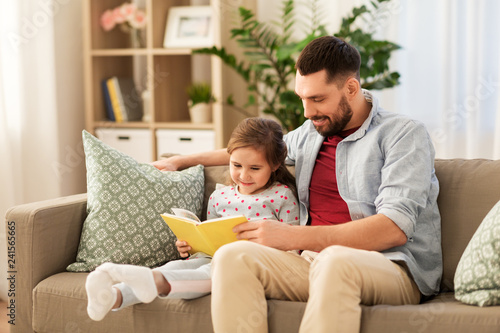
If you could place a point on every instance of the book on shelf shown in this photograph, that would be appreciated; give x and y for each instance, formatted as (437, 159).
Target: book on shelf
(115, 103)
(130, 99)
(107, 100)
(125, 103)
(206, 236)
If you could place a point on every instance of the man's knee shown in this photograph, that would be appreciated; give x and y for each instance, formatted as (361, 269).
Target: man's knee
(232, 251)
(232, 256)
(338, 254)
(339, 260)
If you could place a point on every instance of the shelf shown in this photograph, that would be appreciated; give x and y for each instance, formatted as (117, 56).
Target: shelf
(159, 51)
(118, 52)
(127, 124)
(163, 73)
(183, 125)
(133, 52)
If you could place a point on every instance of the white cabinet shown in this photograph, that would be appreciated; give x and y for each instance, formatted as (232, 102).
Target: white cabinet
(184, 141)
(131, 141)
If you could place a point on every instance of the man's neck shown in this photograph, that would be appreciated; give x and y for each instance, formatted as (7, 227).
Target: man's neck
(361, 109)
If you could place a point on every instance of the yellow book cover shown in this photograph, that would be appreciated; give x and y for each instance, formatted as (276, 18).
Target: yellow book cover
(115, 103)
(205, 236)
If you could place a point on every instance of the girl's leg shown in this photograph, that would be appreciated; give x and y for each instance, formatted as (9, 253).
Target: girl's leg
(139, 284)
(140, 279)
(126, 296)
(187, 279)
(190, 279)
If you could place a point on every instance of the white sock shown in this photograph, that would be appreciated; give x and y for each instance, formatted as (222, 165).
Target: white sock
(100, 293)
(140, 279)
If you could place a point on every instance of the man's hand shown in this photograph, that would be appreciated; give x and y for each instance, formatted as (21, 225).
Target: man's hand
(183, 248)
(181, 162)
(167, 164)
(266, 232)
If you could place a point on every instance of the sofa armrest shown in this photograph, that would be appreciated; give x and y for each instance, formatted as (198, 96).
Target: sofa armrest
(47, 235)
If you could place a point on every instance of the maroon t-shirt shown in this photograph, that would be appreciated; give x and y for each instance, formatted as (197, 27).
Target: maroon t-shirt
(326, 206)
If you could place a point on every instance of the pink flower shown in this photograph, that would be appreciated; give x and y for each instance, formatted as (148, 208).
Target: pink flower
(127, 11)
(118, 16)
(139, 20)
(126, 15)
(108, 20)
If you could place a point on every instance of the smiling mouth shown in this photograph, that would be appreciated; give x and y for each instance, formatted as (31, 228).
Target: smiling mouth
(320, 121)
(245, 184)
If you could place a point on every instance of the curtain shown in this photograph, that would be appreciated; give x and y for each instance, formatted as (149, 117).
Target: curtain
(450, 72)
(449, 65)
(41, 105)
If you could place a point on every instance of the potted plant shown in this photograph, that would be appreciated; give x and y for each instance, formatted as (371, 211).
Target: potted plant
(270, 54)
(200, 102)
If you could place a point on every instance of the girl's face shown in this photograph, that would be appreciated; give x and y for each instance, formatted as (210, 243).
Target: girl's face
(250, 170)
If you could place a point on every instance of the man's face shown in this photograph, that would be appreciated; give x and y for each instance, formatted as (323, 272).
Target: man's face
(324, 103)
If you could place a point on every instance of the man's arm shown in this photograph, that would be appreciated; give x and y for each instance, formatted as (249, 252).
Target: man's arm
(374, 233)
(180, 162)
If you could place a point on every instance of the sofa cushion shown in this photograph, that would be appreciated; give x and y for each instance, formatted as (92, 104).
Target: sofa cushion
(477, 280)
(468, 190)
(60, 305)
(125, 200)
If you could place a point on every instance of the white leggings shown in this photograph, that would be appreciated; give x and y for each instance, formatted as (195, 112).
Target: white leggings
(188, 279)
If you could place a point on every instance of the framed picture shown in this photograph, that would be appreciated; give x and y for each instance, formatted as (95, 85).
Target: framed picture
(189, 27)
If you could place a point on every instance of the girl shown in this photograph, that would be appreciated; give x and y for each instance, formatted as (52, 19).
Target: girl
(262, 188)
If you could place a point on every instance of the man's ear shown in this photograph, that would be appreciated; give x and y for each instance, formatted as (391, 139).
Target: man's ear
(352, 87)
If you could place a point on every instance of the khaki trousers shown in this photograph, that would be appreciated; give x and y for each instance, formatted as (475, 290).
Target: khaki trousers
(334, 285)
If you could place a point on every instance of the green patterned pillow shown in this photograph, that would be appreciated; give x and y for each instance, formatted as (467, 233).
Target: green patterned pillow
(125, 200)
(477, 279)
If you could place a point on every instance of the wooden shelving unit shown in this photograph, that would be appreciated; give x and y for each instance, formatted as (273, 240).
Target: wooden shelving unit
(165, 73)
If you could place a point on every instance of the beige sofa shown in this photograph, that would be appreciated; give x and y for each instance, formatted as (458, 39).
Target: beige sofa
(48, 299)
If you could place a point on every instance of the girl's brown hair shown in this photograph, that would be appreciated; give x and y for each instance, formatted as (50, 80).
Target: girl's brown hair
(265, 135)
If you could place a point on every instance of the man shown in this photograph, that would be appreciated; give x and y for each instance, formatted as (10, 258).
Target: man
(367, 191)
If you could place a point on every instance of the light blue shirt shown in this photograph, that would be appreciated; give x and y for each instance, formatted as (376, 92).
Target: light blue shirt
(385, 167)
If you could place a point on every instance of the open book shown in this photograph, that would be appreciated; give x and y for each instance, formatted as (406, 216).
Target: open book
(205, 236)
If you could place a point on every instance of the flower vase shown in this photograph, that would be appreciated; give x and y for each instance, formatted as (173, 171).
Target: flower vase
(137, 38)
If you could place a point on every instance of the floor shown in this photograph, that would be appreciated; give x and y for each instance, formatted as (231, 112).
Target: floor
(4, 325)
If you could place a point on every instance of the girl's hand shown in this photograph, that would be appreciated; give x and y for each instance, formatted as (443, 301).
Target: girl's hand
(183, 248)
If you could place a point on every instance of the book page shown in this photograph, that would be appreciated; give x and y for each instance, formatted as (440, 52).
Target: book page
(186, 213)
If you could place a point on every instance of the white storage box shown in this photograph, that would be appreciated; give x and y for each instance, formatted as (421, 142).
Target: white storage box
(184, 141)
(135, 142)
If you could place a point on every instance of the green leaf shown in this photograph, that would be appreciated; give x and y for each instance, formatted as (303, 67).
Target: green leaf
(270, 51)
(230, 99)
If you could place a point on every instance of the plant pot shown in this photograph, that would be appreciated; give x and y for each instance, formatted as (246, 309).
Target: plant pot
(201, 113)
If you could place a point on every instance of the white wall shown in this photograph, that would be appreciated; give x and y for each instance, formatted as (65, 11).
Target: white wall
(332, 11)
(46, 156)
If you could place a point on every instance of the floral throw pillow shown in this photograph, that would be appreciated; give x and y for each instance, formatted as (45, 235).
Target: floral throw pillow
(477, 278)
(125, 200)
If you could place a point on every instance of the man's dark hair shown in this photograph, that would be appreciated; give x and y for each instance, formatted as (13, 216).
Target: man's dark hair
(340, 59)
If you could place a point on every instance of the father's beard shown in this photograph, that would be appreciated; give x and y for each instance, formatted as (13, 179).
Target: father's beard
(337, 122)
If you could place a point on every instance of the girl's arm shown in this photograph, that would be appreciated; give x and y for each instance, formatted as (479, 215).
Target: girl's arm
(289, 209)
